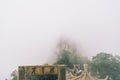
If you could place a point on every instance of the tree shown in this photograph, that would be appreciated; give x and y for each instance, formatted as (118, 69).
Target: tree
(105, 64)
(68, 54)
(14, 78)
(14, 75)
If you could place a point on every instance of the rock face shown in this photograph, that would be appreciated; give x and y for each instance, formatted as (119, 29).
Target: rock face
(84, 75)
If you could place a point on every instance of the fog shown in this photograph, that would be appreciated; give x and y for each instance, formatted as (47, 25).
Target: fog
(30, 29)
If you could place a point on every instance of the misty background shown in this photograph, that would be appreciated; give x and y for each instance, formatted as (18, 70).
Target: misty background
(30, 29)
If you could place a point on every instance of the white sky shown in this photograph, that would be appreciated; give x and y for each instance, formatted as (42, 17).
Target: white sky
(29, 29)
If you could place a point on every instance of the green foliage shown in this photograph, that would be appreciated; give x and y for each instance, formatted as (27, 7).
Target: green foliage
(64, 58)
(105, 64)
(67, 54)
(67, 58)
(14, 78)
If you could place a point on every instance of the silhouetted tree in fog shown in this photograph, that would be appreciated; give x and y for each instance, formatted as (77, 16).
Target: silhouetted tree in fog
(68, 54)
